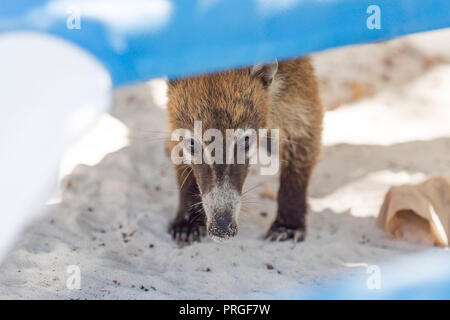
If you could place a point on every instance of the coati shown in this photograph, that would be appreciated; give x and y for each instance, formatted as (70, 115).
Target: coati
(275, 95)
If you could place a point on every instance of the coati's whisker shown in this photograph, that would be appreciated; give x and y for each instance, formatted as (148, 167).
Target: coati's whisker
(253, 188)
(187, 176)
(195, 205)
(153, 131)
(196, 217)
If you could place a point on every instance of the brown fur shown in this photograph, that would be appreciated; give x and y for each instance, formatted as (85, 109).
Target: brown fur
(236, 99)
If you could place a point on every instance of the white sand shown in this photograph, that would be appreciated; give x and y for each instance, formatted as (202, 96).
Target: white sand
(391, 127)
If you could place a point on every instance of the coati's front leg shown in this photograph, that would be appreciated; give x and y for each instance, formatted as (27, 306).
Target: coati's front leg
(297, 161)
(189, 223)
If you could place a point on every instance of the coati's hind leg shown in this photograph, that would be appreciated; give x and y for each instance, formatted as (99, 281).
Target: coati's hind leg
(298, 156)
(189, 223)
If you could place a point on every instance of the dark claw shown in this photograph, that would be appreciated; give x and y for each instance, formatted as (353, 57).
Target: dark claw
(184, 233)
(280, 233)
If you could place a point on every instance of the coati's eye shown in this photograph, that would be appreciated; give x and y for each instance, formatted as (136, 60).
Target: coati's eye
(191, 146)
(247, 144)
(192, 150)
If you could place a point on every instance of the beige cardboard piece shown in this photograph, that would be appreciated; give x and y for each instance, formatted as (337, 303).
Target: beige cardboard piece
(419, 213)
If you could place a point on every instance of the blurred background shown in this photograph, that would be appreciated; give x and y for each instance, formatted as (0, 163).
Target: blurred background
(387, 124)
(114, 192)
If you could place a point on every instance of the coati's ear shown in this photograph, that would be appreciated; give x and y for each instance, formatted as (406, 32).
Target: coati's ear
(171, 84)
(266, 72)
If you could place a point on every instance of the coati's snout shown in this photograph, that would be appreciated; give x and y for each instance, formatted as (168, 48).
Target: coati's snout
(221, 187)
(222, 226)
(221, 207)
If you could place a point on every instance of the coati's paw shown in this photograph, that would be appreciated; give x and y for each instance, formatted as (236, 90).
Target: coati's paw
(186, 233)
(282, 233)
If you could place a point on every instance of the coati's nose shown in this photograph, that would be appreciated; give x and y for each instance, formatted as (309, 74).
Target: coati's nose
(222, 227)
